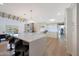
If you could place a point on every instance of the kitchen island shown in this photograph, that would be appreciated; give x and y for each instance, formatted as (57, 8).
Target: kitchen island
(36, 42)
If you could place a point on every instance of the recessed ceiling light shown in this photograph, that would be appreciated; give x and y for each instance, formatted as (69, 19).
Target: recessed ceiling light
(58, 13)
(62, 26)
(52, 20)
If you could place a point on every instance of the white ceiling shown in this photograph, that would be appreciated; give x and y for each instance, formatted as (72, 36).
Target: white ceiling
(41, 12)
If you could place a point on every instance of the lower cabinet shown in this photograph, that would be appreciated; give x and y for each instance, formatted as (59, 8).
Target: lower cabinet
(36, 47)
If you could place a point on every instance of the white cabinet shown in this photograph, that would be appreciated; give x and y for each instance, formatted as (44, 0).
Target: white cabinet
(37, 43)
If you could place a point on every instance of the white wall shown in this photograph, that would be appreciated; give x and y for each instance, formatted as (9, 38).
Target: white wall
(69, 31)
(74, 29)
(71, 37)
(77, 29)
(2, 26)
(52, 30)
(51, 27)
(5, 21)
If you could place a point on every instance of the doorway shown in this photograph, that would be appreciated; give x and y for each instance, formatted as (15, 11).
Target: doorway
(61, 32)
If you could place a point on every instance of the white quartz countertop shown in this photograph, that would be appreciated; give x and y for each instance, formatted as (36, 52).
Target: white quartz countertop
(29, 37)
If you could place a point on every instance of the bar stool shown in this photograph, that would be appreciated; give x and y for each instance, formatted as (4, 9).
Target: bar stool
(20, 48)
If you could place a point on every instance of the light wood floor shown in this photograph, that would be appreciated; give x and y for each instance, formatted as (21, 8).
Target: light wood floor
(3, 49)
(54, 48)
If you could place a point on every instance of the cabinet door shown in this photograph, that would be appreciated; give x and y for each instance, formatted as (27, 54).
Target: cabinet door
(37, 47)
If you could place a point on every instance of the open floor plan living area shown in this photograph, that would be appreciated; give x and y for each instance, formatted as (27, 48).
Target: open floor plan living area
(39, 29)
